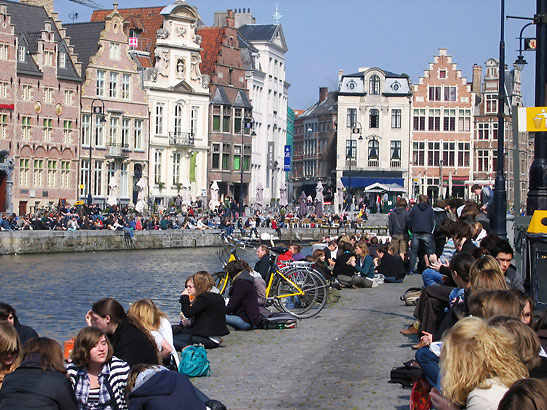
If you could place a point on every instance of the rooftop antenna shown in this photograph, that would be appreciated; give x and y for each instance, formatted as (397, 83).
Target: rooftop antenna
(277, 16)
(73, 16)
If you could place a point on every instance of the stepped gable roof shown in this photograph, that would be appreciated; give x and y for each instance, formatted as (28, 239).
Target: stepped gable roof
(328, 106)
(241, 100)
(146, 20)
(220, 97)
(28, 21)
(85, 39)
(210, 43)
(258, 32)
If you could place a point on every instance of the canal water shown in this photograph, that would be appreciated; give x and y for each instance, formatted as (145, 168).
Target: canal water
(53, 292)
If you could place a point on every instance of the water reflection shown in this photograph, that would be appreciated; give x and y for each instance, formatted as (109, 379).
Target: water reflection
(52, 292)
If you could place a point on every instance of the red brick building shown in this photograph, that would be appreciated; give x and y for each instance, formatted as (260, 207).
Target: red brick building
(442, 130)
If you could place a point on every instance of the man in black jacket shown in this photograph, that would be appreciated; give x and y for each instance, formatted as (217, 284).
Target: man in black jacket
(262, 266)
(398, 227)
(421, 221)
(391, 266)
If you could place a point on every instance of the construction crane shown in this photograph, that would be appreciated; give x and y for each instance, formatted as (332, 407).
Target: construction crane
(89, 3)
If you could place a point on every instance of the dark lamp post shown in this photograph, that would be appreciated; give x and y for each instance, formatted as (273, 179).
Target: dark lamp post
(355, 129)
(248, 125)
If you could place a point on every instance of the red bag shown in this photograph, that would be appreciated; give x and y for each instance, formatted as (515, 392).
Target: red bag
(419, 397)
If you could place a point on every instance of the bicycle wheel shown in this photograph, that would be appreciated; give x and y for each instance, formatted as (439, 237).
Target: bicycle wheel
(222, 282)
(314, 296)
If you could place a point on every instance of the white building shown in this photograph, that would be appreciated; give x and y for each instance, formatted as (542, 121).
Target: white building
(179, 101)
(263, 49)
(373, 137)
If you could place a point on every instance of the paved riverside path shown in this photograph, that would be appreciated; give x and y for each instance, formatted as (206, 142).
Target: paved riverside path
(339, 359)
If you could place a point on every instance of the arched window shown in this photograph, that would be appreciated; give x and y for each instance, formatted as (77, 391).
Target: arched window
(373, 149)
(178, 120)
(374, 85)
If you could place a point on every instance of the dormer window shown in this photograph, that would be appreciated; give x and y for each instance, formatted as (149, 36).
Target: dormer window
(22, 53)
(374, 85)
(62, 59)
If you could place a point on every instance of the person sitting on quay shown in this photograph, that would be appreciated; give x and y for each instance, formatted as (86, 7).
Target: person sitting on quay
(10, 349)
(262, 266)
(242, 310)
(389, 265)
(8, 313)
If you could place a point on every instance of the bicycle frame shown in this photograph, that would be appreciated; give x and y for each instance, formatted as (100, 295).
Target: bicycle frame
(271, 281)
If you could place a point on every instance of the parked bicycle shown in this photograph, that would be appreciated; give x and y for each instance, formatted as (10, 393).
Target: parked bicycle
(295, 287)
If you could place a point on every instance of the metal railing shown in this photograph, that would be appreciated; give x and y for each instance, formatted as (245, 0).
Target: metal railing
(181, 139)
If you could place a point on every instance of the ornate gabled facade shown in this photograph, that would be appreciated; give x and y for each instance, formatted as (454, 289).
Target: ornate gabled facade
(179, 102)
(373, 134)
(485, 137)
(116, 137)
(442, 130)
(39, 110)
(229, 138)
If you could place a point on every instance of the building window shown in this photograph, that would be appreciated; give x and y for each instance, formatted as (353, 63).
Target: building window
(352, 117)
(237, 120)
(67, 131)
(22, 53)
(419, 119)
(113, 90)
(48, 95)
(100, 83)
(237, 157)
(216, 118)
(24, 171)
(137, 131)
(215, 159)
(38, 172)
(396, 118)
(48, 58)
(225, 157)
(84, 176)
(374, 118)
(482, 160)
(374, 150)
(159, 118)
(449, 153)
(114, 51)
(442, 74)
(126, 86)
(176, 168)
(495, 130)
(62, 60)
(124, 179)
(464, 120)
(26, 127)
(418, 153)
(434, 119)
(247, 158)
(178, 119)
(65, 174)
(434, 93)
(433, 154)
(463, 154)
(4, 126)
(99, 134)
(351, 149)
(449, 120)
(374, 85)
(27, 92)
(491, 103)
(483, 130)
(114, 130)
(194, 112)
(98, 178)
(126, 123)
(3, 51)
(450, 93)
(47, 131)
(395, 150)
(226, 118)
(4, 89)
(86, 129)
(157, 166)
(69, 94)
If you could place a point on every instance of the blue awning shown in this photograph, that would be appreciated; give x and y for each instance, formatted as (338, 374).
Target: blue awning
(362, 182)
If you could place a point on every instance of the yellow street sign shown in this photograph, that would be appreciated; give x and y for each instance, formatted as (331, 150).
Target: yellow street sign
(81, 186)
(532, 119)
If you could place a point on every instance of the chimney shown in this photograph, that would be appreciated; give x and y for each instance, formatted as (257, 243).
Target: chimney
(476, 80)
(230, 20)
(323, 93)
(340, 74)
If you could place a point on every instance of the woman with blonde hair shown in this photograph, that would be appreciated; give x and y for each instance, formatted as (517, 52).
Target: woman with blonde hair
(10, 349)
(483, 263)
(155, 321)
(478, 365)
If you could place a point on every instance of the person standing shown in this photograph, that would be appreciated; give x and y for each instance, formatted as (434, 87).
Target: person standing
(421, 221)
(398, 227)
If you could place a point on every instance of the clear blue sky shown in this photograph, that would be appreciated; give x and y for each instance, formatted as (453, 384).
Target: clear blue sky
(397, 35)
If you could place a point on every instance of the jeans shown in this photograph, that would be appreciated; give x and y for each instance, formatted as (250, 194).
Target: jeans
(237, 322)
(392, 279)
(415, 246)
(430, 366)
(431, 277)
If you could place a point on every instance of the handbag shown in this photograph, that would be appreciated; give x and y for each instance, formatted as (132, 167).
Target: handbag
(194, 362)
(419, 397)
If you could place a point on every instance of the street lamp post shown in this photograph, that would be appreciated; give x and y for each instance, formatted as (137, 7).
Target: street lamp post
(355, 129)
(500, 195)
(248, 124)
(97, 108)
(441, 163)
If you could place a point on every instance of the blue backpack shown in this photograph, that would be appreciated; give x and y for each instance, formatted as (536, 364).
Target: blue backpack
(193, 361)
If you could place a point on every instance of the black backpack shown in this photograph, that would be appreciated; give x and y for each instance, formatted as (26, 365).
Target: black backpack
(406, 374)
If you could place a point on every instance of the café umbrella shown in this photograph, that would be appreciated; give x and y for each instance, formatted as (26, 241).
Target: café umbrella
(303, 205)
(283, 196)
(319, 200)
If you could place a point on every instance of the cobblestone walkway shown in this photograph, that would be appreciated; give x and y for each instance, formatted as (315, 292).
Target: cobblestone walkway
(338, 360)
